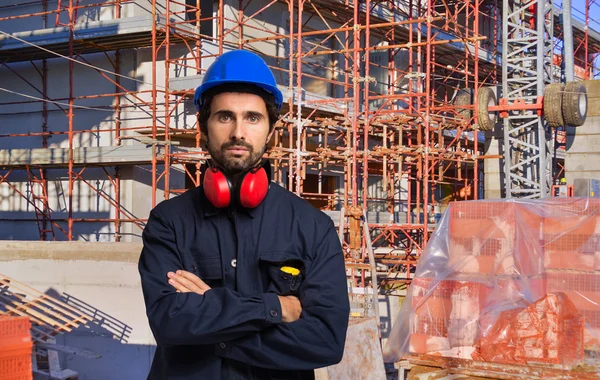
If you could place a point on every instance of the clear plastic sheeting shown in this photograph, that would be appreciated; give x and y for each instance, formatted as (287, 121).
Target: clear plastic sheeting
(508, 281)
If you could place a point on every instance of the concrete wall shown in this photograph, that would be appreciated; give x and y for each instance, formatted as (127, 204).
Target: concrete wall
(583, 155)
(104, 276)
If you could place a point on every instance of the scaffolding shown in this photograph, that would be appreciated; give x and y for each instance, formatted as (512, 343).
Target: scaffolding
(380, 126)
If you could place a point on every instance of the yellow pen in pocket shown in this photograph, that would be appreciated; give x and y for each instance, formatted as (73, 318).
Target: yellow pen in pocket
(290, 270)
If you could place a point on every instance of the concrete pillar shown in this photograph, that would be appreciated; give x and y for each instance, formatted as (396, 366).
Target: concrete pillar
(493, 173)
(583, 156)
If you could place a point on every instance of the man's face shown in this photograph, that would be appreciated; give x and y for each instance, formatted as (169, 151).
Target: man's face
(238, 130)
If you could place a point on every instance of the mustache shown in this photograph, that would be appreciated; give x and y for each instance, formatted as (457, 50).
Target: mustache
(235, 144)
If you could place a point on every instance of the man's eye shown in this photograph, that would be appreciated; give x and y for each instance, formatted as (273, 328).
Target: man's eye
(254, 119)
(224, 118)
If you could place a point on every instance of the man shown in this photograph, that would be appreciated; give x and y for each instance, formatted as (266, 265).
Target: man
(242, 279)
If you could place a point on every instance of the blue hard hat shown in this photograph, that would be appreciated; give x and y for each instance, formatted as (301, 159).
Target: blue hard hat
(239, 66)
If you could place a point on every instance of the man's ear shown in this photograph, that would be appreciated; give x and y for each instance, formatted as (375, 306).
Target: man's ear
(204, 140)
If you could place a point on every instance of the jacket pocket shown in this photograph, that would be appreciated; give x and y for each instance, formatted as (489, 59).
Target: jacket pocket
(282, 272)
(209, 270)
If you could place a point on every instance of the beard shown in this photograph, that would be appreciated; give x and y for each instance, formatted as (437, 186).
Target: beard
(235, 164)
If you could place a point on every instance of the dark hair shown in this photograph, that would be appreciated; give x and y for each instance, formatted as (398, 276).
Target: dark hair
(204, 113)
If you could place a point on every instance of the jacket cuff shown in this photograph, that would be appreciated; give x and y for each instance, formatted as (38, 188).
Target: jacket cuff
(272, 308)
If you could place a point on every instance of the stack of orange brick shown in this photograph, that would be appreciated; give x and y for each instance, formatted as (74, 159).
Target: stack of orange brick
(15, 348)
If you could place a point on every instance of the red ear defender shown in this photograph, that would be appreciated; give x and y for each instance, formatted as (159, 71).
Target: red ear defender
(217, 188)
(254, 187)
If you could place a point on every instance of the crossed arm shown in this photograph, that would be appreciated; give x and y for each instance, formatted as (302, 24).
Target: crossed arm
(186, 282)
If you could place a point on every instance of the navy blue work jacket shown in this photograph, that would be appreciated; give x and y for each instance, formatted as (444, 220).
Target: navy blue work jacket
(235, 330)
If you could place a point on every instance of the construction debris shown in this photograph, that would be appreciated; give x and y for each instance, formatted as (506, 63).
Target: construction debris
(49, 317)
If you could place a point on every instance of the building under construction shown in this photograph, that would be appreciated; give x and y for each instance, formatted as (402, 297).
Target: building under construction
(392, 109)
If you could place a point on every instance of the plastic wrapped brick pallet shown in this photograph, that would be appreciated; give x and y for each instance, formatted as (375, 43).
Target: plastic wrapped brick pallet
(495, 274)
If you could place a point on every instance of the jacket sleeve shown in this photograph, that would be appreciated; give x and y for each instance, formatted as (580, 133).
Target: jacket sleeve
(315, 340)
(188, 318)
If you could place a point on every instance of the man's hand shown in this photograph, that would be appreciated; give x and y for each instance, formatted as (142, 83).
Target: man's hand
(290, 308)
(186, 282)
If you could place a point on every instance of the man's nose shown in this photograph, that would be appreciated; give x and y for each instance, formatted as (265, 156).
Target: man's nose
(239, 131)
